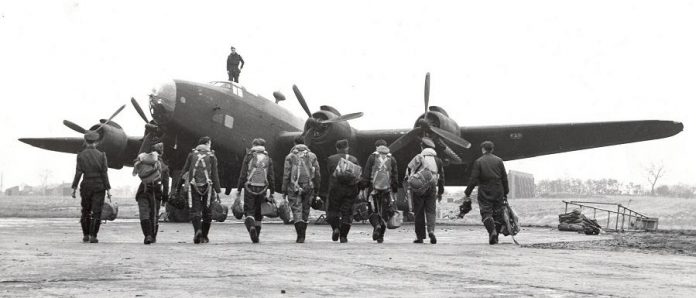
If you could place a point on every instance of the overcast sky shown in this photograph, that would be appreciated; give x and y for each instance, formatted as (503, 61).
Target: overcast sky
(492, 63)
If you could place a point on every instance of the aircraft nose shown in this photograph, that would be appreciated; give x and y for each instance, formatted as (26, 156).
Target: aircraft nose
(163, 101)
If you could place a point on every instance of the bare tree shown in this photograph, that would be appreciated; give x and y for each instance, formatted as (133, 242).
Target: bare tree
(654, 172)
(44, 175)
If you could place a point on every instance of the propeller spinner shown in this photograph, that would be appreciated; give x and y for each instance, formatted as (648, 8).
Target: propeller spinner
(81, 130)
(424, 127)
(316, 123)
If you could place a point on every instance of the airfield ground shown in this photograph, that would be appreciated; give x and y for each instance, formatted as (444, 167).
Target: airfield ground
(44, 257)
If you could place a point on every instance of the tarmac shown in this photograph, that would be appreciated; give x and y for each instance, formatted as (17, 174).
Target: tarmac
(46, 257)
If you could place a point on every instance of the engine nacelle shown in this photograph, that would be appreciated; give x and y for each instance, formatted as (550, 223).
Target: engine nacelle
(112, 141)
(319, 136)
(438, 117)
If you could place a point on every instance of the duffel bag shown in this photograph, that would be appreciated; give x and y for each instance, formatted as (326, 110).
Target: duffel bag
(218, 211)
(284, 212)
(109, 211)
(269, 209)
(395, 221)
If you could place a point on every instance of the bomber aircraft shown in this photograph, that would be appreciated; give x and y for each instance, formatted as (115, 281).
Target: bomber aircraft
(182, 111)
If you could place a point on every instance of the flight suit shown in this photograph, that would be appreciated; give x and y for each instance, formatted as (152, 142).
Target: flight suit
(424, 205)
(339, 204)
(92, 164)
(488, 173)
(234, 67)
(254, 196)
(149, 197)
(300, 192)
(201, 192)
(382, 200)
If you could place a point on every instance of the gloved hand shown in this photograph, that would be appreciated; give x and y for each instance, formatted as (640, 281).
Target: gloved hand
(465, 207)
(439, 198)
(73, 192)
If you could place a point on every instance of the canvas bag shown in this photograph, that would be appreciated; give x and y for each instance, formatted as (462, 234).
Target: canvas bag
(395, 220)
(218, 210)
(269, 208)
(109, 211)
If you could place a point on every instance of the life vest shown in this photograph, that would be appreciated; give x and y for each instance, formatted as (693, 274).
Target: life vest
(257, 173)
(347, 172)
(381, 171)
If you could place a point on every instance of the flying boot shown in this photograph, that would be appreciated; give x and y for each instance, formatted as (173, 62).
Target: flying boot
(376, 226)
(301, 228)
(94, 230)
(146, 226)
(155, 229)
(85, 229)
(250, 224)
(334, 228)
(298, 230)
(205, 228)
(198, 233)
(382, 229)
(344, 229)
(492, 232)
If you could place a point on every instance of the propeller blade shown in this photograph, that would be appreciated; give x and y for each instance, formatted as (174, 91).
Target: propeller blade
(139, 110)
(301, 99)
(345, 117)
(452, 156)
(452, 138)
(427, 92)
(112, 117)
(404, 140)
(74, 126)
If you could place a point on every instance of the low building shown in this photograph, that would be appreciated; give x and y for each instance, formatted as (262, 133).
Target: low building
(521, 185)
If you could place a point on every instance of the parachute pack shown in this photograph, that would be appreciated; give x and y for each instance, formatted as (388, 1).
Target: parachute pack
(258, 169)
(301, 172)
(201, 175)
(347, 172)
(381, 172)
(425, 176)
(148, 167)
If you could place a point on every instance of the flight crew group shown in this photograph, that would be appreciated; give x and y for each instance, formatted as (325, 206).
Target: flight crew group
(424, 180)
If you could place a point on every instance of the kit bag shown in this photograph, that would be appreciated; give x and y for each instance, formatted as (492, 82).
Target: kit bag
(109, 210)
(395, 221)
(269, 208)
(218, 210)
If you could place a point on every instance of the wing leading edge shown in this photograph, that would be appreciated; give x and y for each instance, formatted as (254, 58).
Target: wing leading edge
(523, 141)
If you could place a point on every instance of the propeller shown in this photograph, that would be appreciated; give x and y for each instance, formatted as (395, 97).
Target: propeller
(151, 127)
(81, 130)
(424, 128)
(74, 126)
(316, 123)
(139, 110)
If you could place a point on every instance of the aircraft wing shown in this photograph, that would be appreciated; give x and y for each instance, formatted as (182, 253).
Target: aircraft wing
(523, 141)
(76, 144)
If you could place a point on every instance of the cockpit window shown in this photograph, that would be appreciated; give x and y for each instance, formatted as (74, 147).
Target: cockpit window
(236, 89)
(222, 84)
